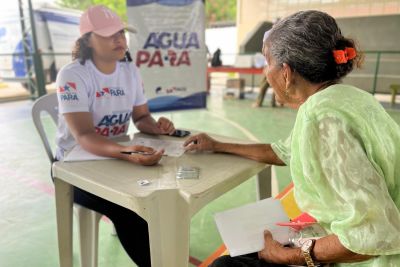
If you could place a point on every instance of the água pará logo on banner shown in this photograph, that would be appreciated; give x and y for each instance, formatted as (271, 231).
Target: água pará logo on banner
(175, 46)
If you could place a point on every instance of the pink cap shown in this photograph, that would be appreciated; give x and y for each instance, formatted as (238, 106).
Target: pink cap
(102, 21)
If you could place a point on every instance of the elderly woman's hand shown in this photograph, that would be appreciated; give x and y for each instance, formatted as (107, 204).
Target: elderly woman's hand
(272, 249)
(200, 142)
(275, 252)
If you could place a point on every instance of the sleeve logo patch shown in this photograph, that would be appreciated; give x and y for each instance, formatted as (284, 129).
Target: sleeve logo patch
(68, 92)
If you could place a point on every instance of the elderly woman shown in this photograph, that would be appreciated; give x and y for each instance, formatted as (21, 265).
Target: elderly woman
(343, 152)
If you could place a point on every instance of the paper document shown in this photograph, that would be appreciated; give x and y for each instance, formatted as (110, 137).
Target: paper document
(242, 228)
(172, 148)
(79, 154)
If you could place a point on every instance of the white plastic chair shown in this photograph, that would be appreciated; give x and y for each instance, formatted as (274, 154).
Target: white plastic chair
(88, 220)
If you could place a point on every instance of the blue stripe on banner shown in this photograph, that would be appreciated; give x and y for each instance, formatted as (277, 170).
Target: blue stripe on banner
(160, 2)
(51, 16)
(164, 103)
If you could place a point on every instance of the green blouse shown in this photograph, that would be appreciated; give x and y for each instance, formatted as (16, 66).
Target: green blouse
(344, 158)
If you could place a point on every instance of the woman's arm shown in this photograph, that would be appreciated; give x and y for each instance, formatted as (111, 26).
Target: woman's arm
(259, 152)
(145, 123)
(329, 249)
(82, 128)
(326, 250)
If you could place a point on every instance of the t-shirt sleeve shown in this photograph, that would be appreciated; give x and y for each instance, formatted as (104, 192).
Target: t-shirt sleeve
(282, 149)
(72, 92)
(140, 97)
(342, 189)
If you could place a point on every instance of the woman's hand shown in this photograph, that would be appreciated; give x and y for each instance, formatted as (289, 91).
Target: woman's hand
(275, 252)
(147, 156)
(145, 123)
(165, 126)
(200, 142)
(272, 249)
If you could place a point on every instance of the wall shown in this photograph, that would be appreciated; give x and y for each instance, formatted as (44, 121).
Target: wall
(251, 12)
(375, 27)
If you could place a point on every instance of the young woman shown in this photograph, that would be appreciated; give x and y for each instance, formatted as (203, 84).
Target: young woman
(98, 94)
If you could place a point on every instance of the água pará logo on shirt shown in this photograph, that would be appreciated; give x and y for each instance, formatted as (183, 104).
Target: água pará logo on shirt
(68, 92)
(110, 92)
(114, 124)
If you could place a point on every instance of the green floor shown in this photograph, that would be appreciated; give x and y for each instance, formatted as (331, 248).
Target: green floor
(27, 214)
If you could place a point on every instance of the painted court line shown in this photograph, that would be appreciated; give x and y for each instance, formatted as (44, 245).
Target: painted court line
(252, 137)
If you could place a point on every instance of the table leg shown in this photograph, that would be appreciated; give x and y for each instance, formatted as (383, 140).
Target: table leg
(252, 83)
(264, 179)
(273, 100)
(394, 88)
(64, 195)
(168, 219)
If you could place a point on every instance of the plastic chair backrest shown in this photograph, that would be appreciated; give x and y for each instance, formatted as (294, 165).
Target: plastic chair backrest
(47, 103)
(88, 220)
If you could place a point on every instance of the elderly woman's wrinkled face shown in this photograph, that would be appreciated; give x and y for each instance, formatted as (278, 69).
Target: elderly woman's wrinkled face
(275, 77)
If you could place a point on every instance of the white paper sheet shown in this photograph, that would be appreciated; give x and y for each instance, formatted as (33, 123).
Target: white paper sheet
(172, 149)
(79, 154)
(242, 228)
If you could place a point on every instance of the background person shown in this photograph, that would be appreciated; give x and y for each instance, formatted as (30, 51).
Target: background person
(216, 58)
(98, 94)
(343, 152)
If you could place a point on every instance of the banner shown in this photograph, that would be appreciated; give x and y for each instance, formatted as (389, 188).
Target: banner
(169, 49)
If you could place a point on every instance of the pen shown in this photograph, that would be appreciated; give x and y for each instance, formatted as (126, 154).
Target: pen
(137, 152)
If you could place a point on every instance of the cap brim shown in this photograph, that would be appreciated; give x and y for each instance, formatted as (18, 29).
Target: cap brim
(130, 29)
(106, 32)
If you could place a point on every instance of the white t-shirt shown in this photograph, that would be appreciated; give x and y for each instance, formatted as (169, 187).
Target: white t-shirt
(109, 97)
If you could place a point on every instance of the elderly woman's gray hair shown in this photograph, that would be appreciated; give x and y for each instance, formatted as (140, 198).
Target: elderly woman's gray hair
(306, 41)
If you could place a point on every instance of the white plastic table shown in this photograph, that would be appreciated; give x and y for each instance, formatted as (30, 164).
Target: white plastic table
(167, 204)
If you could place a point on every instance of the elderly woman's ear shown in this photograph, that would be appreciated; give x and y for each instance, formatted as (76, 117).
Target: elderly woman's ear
(288, 75)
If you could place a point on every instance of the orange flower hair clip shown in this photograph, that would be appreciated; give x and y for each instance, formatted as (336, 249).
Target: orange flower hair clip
(342, 56)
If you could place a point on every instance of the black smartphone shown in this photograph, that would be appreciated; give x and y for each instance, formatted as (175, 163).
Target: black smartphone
(180, 133)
